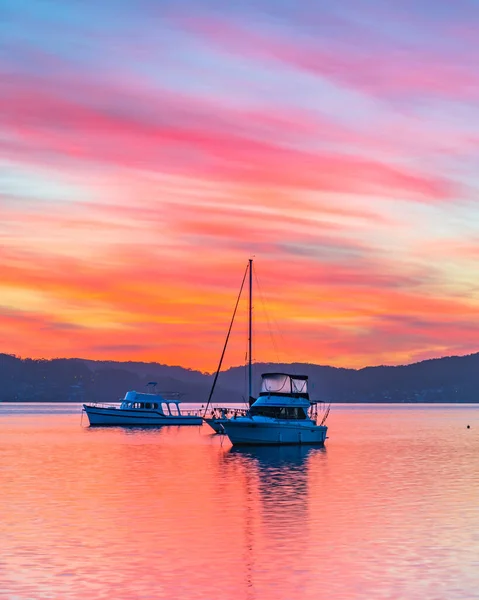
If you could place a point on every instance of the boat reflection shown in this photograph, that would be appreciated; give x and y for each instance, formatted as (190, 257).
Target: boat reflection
(276, 500)
(279, 477)
(276, 456)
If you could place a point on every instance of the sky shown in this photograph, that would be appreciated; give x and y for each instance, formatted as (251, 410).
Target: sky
(149, 148)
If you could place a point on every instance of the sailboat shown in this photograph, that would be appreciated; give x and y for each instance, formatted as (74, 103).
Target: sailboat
(282, 413)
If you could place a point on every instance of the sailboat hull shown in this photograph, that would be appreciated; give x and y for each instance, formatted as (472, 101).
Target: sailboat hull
(247, 432)
(215, 424)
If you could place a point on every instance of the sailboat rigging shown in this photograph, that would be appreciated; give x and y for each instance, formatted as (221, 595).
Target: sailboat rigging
(283, 412)
(226, 342)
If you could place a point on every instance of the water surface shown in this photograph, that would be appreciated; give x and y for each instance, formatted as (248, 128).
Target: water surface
(389, 509)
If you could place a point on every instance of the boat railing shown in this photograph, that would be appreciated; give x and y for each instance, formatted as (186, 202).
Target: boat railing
(102, 405)
(191, 413)
(319, 411)
(226, 413)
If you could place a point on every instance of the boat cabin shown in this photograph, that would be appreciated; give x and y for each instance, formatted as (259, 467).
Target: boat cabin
(138, 401)
(282, 396)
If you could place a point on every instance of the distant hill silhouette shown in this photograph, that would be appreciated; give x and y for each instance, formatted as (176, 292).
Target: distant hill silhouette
(449, 379)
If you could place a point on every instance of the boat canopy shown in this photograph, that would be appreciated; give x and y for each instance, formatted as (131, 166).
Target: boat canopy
(133, 396)
(282, 383)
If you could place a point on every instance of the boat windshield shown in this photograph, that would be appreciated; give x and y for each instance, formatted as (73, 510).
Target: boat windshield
(284, 384)
(279, 412)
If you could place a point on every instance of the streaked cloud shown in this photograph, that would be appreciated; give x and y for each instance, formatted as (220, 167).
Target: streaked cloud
(147, 152)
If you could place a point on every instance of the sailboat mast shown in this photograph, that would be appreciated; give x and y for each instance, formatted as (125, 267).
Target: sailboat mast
(250, 329)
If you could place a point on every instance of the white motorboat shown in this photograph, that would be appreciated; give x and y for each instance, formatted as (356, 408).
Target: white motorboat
(282, 414)
(142, 410)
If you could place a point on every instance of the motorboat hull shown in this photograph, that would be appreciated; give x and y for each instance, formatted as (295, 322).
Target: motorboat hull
(247, 432)
(112, 416)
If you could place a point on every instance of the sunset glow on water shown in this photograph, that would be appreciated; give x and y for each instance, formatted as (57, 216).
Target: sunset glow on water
(387, 509)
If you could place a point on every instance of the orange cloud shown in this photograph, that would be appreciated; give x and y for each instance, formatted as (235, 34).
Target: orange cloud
(127, 213)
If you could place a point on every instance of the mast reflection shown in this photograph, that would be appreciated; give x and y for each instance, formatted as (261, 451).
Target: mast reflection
(275, 506)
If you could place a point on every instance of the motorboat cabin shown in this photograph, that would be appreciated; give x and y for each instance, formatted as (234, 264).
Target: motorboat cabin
(138, 400)
(279, 397)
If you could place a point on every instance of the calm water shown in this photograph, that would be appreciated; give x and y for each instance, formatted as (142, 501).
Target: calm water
(389, 509)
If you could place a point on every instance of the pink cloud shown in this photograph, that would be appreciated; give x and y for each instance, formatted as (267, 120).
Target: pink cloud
(201, 146)
(149, 261)
(371, 65)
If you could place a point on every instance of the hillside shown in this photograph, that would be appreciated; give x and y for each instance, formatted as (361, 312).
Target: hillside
(449, 379)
